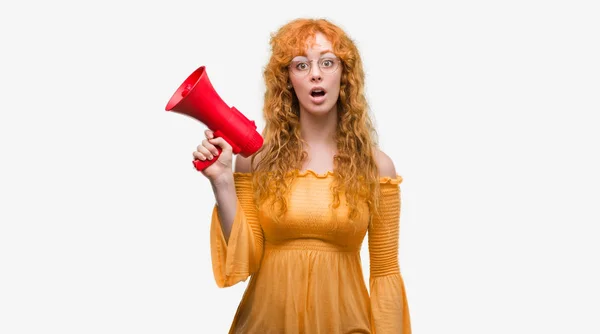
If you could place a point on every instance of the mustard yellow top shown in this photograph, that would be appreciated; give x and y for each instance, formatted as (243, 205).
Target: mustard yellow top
(306, 274)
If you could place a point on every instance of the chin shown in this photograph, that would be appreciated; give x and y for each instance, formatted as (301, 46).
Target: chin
(322, 109)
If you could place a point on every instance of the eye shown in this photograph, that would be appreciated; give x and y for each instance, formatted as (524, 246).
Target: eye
(302, 66)
(327, 62)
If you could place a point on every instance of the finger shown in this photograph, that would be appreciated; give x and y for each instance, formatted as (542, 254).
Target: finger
(202, 155)
(209, 134)
(222, 143)
(199, 156)
(203, 152)
(210, 147)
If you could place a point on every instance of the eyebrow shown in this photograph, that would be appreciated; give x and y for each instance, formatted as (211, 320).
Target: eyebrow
(320, 53)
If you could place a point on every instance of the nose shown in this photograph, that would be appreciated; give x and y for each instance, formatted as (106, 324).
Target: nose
(315, 74)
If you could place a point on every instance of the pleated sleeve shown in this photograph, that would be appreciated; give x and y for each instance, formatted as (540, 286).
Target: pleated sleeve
(389, 304)
(236, 260)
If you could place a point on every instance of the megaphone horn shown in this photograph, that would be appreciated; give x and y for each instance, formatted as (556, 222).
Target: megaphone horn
(197, 99)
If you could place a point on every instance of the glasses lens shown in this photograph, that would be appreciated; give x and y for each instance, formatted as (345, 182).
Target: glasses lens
(300, 67)
(328, 65)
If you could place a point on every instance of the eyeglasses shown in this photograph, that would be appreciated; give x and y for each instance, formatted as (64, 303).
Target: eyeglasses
(301, 67)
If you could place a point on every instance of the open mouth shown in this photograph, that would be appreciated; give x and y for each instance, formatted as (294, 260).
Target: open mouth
(317, 92)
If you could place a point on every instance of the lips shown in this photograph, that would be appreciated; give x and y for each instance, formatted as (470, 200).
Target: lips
(317, 95)
(317, 92)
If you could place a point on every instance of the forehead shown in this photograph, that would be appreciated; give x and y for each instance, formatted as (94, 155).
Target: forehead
(318, 41)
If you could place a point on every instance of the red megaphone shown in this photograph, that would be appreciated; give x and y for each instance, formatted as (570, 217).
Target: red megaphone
(197, 98)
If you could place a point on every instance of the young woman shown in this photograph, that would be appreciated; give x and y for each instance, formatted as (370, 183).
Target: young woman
(294, 215)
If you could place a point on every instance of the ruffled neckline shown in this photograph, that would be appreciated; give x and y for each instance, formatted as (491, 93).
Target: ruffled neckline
(311, 173)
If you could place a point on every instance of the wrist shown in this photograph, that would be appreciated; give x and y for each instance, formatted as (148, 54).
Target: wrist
(224, 180)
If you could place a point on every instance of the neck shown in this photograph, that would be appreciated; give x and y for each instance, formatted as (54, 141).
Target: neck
(319, 130)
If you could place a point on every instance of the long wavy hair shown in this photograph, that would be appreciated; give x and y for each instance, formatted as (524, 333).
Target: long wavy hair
(278, 162)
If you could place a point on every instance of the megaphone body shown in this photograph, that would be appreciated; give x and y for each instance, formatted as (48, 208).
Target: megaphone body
(197, 98)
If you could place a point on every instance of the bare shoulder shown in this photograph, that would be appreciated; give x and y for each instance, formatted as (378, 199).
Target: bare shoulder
(242, 164)
(385, 164)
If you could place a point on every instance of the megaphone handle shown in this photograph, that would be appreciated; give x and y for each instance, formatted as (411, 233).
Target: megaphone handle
(202, 165)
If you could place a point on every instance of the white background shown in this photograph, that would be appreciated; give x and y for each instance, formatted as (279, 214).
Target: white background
(487, 109)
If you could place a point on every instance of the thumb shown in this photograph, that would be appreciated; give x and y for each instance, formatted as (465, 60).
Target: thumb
(222, 143)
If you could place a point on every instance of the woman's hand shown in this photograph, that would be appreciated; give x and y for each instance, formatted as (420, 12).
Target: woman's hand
(221, 170)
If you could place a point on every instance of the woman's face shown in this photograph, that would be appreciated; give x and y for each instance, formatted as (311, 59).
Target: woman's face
(316, 77)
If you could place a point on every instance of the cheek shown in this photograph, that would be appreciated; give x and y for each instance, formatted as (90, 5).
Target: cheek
(296, 85)
(338, 82)
(337, 86)
(295, 81)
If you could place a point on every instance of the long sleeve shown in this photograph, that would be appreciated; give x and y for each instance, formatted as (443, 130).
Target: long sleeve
(389, 304)
(235, 261)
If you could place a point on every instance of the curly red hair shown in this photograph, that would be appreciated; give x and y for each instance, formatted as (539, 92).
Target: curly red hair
(355, 169)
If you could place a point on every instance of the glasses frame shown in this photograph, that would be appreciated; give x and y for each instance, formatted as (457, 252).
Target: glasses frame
(293, 63)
